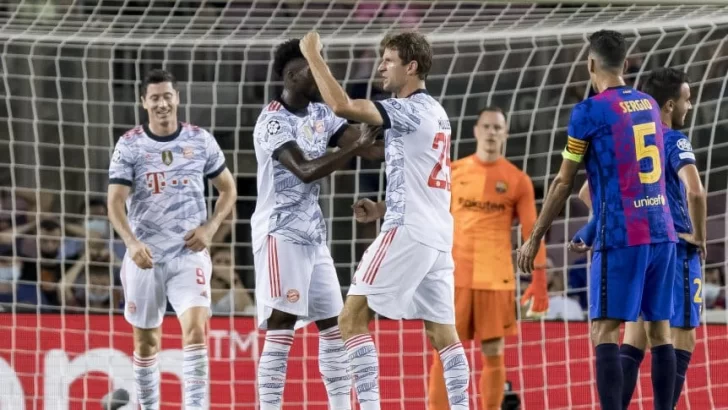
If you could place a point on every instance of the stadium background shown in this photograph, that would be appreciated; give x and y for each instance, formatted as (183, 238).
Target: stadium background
(71, 71)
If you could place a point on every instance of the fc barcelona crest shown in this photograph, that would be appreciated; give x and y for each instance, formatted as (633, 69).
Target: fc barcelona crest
(167, 157)
(501, 187)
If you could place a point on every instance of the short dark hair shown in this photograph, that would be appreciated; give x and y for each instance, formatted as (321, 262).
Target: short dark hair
(49, 225)
(92, 202)
(611, 48)
(157, 76)
(411, 46)
(214, 250)
(664, 84)
(492, 108)
(285, 53)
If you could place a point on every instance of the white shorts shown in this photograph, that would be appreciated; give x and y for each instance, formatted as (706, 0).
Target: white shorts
(296, 279)
(404, 279)
(185, 281)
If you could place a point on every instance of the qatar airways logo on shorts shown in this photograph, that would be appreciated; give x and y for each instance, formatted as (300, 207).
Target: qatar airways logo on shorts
(648, 201)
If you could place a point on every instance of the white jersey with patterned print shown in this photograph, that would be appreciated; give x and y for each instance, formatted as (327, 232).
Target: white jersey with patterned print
(286, 207)
(167, 180)
(417, 155)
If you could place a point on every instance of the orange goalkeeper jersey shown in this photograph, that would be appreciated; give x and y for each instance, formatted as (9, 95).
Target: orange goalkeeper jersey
(487, 198)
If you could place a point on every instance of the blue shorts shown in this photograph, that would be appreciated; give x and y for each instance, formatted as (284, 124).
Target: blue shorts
(687, 288)
(628, 281)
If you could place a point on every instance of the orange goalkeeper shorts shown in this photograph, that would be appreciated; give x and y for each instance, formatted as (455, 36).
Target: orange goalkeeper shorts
(485, 314)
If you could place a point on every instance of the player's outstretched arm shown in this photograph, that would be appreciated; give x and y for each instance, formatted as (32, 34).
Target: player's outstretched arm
(333, 94)
(536, 295)
(374, 152)
(309, 170)
(697, 204)
(116, 204)
(556, 198)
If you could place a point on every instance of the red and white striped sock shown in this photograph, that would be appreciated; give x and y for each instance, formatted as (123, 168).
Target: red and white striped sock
(364, 365)
(196, 376)
(146, 381)
(457, 375)
(334, 368)
(272, 368)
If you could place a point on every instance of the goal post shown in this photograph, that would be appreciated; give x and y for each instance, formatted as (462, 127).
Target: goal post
(71, 71)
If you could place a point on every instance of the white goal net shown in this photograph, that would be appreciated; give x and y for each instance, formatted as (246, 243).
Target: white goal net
(71, 71)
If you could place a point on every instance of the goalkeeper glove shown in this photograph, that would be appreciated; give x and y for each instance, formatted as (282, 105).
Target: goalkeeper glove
(536, 295)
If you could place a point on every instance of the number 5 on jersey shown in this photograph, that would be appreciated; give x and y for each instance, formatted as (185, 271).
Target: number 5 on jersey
(645, 151)
(442, 143)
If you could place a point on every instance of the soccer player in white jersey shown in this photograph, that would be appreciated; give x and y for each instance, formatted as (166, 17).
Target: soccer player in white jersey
(408, 271)
(296, 282)
(159, 170)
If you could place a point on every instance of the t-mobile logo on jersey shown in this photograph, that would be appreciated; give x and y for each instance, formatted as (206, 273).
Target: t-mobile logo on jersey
(157, 181)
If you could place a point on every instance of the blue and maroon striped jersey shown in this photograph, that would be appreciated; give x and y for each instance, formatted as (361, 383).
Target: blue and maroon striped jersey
(619, 135)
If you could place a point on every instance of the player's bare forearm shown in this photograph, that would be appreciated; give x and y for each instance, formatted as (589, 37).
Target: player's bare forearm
(311, 170)
(585, 195)
(372, 152)
(552, 207)
(556, 199)
(697, 200)
(116, 200)
(698, 209)
(228, 194)
(335, 96)
(526, 213)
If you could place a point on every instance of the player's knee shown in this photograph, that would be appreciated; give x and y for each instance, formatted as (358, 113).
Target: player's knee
(194, 336)
(441, 336)
(658, 333)
(327, 323)
(605, 331)
(354, 317)
(492, 347)
(281, 320)
(635, 335)
(683, 339)
(146, 342)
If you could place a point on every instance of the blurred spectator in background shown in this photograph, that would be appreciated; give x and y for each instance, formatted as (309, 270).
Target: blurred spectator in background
(714, 288)
(228, 293)
(561, 304)
(23, 211)
(78, 229)
(92, 281)
(46, 270)
(578, 282)
(23, 295)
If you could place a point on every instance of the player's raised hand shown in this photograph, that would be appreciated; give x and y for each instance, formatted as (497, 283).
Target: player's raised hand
(311, 44)
(365, 210)
(141, 255)
(199, 238)
(701, 245)
(369, 133)
(526, 255)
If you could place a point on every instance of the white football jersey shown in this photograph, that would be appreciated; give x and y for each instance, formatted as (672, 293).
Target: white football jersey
(417, 154)
(167, 180)
(286, 207)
